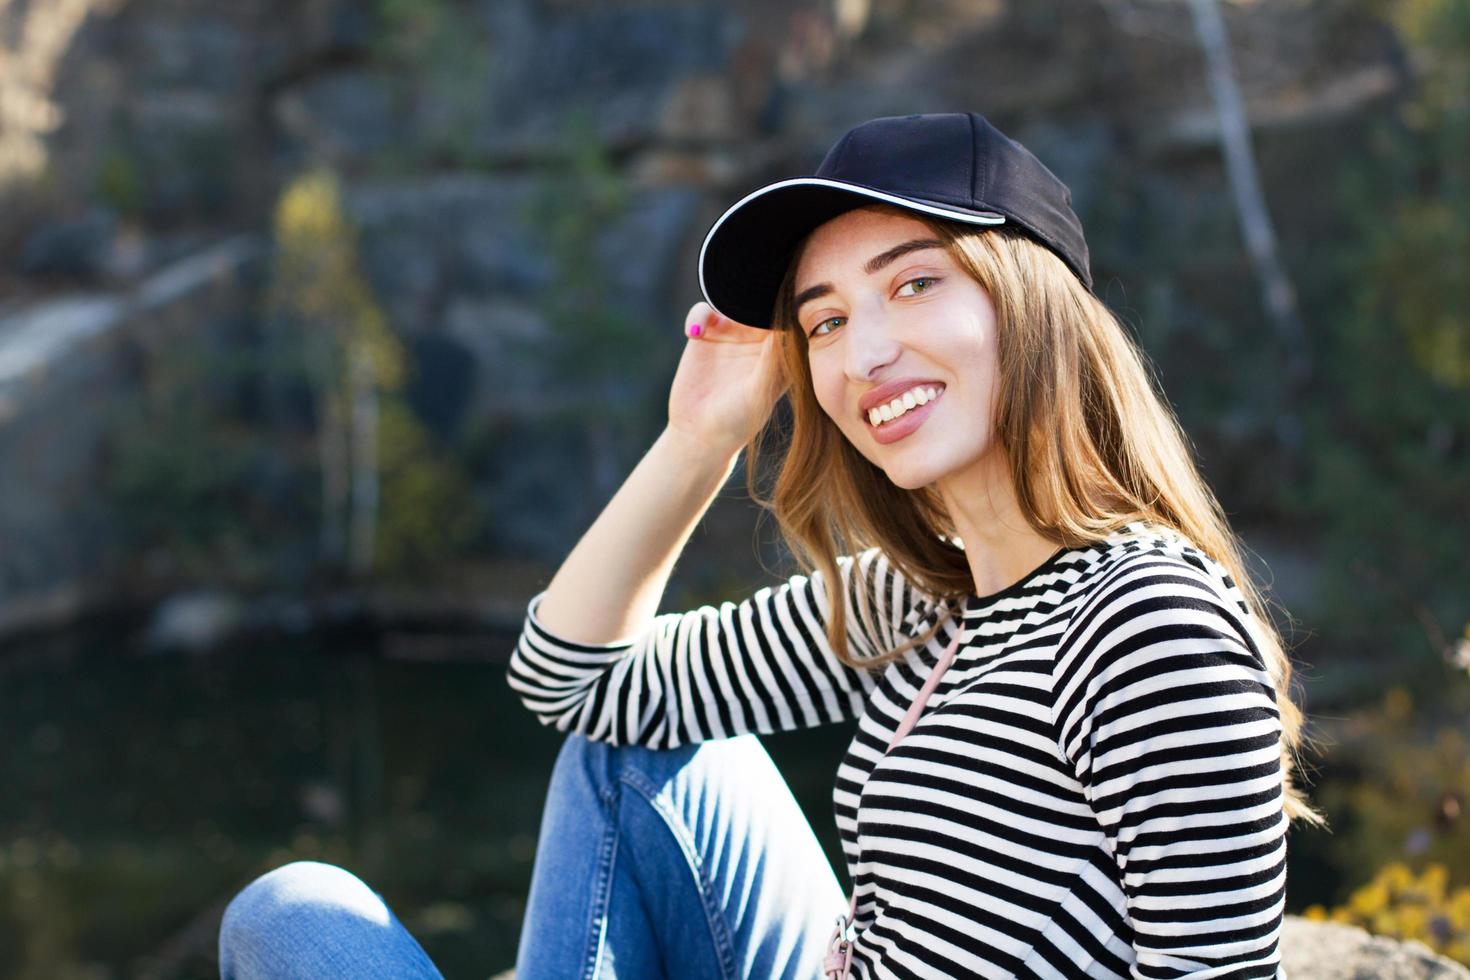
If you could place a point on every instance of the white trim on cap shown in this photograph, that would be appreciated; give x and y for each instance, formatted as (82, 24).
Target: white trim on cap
(987, 218)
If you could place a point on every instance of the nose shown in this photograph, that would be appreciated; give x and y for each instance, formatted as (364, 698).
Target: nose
(871, 345)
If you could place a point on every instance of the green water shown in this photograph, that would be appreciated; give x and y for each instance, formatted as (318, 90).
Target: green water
(141, 792)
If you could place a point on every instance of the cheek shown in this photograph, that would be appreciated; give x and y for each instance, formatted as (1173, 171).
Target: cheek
(828, 392)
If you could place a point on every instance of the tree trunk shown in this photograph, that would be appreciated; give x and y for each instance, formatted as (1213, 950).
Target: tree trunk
(1277, 292)
(332, 446)
(364, 465)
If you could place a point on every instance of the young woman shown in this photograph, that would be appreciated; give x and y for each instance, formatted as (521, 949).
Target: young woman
(1074, 740)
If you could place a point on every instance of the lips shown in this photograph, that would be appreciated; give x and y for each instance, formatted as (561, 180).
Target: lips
(902, 426)
(886, 393)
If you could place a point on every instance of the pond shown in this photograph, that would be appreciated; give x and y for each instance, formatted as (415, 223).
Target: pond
(142, 791)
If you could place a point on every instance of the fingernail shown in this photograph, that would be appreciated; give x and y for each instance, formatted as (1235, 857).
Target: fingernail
(694, 329)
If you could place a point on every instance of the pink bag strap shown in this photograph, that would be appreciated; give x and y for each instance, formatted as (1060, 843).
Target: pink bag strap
(839, 947)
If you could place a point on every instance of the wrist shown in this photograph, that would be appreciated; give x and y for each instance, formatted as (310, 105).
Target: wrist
(697, 454)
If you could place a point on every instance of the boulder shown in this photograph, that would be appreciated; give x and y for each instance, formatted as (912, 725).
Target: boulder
(1332, 951)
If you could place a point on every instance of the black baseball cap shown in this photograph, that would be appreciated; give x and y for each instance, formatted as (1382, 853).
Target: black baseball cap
(954, 165)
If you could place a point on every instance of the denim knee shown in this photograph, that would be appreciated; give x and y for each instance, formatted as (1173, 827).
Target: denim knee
(296, 888)
(282, 910)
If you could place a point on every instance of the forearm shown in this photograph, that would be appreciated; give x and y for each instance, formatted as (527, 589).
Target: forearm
(610, 585)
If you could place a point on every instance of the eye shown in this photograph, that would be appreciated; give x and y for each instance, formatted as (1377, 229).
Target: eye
(926, 281)
(816, 331)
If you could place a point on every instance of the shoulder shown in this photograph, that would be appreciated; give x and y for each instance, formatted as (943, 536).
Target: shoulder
(1149, 584)
(1147, 556)
(1161, 643)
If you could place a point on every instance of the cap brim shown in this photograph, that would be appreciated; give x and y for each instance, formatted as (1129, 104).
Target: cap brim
(746, 251)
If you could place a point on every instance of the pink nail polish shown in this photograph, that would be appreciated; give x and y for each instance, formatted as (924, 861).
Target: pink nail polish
(695, 330)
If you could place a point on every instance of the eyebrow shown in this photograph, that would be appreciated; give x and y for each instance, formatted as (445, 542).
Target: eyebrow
(873, 265)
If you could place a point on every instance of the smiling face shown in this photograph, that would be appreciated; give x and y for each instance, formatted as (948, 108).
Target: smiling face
(889, 314)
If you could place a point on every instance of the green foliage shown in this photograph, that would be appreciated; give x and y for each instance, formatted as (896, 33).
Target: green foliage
(1420, 256)
(596, 346)
(445, 62)
(189, 486)
(218, 474)
(316, 283)
(119, 182)
(324, 305)
(409, 29)
(1389, 421)
(1402, 784)
(1409, 764)
(432, 511)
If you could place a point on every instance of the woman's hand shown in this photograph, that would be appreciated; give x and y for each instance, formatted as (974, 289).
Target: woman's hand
(728, 380)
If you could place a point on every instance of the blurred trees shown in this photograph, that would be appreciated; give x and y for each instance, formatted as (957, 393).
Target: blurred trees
(332, 331)
(216, 459)
(1389, 437)
(595, 344)
(1389, 491)
(443, 62)
(1396, 799)
(1401, 904)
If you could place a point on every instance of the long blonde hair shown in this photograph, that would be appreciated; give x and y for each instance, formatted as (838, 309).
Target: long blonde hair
(1091, 447)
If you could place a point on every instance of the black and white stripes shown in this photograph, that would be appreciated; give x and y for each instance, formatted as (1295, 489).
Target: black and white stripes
(761, 665)
(1094, 789)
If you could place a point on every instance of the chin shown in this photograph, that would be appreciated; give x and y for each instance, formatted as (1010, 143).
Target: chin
(905, 477)
(912, 481)
(911, 477)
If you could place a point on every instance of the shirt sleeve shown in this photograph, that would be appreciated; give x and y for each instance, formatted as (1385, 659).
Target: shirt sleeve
(760, 665)
(1169, 719)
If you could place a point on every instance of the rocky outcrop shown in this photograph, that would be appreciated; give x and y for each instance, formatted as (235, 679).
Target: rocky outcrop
(1329, 951)
(1332, 951)
(176, 126)
(66, 365)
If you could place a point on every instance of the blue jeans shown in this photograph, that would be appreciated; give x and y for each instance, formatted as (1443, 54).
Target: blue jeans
(693, 862)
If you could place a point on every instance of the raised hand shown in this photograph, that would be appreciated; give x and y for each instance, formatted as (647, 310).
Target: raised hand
(728, 380)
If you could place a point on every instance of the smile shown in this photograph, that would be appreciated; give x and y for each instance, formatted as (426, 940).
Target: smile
(894, 420)
(903, 404)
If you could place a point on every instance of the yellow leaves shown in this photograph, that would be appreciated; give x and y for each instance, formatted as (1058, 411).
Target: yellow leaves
(1398, 704)
(1433, 883)
(1423, 20)
(1401, 904)
(325, 303)
(1369, 900)
(1396, 876)
(311, 209)
(1426, 266)
(317, 280)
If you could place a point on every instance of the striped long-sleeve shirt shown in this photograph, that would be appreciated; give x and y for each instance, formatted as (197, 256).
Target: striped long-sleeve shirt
(1093, 790)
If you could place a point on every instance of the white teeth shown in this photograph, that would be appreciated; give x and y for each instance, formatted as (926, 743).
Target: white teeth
(909, 399)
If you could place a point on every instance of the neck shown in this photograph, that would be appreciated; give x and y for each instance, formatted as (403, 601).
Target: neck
(1000, 545)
